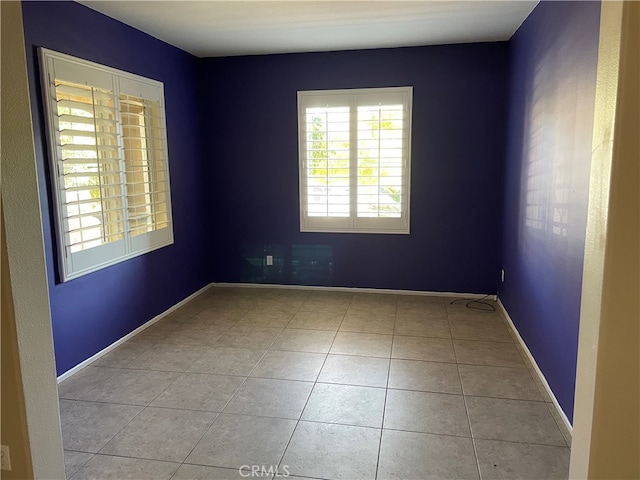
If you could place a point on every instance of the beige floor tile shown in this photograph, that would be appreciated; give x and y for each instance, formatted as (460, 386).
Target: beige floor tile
(88, 426)
(424, 376)
(325, 308)
(189, 334)
(333, 296)
(374, 299)
(291, 294)
(423, 327)
(368, 323)
(561, 423)
(316, 320)
(542, 390)
(426, 412)
(208, 328)
(495, 354)
(349, 370)
(199, 472)
(300, 340)
(105, 467)
(362, 344)
(459, 311)
(227, 361)
(198, 391)
(333, 451)
(423, 348)
(170, 358)
(417, 301)
(371, 309)
(491, 329)
(243, 336)
(156, 333)
(431, 311)
(255, 355)
(218, 316)
(267, 397)
(176, 316)
(278, 305)
(266, 318)
(83, 382)
(166, 434)
(237, 440)
(189, 310)
(289, 365)
(122, 356)
(506, 461)
(74, 460)
(409, 455)
(346, 404)
(513, 420)
(499, 382)
(328, 302)
(132, 387)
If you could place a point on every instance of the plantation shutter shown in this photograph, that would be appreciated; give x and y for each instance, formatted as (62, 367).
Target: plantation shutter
(146, 163)
(355, 160)
(107, 139)
(87, 164)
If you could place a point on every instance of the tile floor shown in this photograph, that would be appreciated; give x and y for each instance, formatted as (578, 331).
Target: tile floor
(313, 384)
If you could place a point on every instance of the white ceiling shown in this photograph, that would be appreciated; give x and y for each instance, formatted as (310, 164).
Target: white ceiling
(209, 28)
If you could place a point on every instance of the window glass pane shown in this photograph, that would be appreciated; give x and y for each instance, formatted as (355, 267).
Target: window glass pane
(380, 161)
(327, 161)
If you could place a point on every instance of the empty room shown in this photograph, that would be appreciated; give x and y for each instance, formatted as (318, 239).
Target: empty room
(320, 239)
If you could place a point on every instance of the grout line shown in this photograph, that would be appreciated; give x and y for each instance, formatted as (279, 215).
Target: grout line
(224, 406)
(284, 451)
(386, 392)
(473, 441)
(209, 304)
(430, 392)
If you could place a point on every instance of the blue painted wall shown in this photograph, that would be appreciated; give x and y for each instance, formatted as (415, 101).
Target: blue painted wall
(235, 192)
(459, 113)
(91, 312)
(553, 74)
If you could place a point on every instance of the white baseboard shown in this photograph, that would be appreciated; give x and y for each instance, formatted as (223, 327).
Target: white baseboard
(541, 376)
(120, 341)
(354, 290)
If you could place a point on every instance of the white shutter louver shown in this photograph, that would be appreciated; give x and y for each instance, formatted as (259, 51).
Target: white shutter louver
(89, 165)
(145, 164)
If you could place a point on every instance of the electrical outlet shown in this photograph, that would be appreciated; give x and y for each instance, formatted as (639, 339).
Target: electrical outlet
(6, 459)
(502, 275)
(269, 260)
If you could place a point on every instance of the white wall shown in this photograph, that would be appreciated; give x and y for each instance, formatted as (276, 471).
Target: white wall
(21, 209)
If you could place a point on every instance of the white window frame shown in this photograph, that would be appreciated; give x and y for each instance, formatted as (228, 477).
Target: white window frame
(133, 240)
(354, 98)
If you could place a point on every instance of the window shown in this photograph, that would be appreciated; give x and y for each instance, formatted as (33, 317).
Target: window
(108, 150)
(355, 160)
